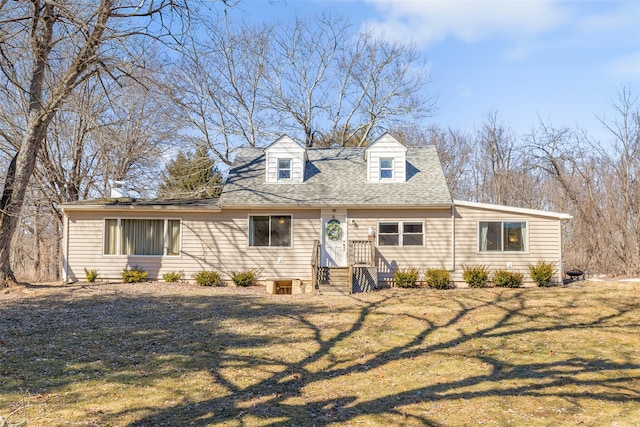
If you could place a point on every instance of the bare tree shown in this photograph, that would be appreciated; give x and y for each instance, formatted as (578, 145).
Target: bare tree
(242, 85)
(599, 184)
(46, 50)
(219, 84)
(454, 149)
(357, 83)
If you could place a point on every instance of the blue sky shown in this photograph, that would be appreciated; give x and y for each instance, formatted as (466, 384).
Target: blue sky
(562, 61)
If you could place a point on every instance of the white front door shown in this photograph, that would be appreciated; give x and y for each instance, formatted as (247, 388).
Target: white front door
(334, 239)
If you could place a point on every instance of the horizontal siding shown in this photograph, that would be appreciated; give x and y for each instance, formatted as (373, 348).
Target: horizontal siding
(544, 242)
(209, 241)
(435, 253)
(220, 241)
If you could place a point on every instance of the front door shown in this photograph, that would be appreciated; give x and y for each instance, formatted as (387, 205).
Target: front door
(334, 239)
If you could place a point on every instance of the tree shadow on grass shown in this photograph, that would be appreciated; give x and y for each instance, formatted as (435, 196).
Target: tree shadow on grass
(324, 370)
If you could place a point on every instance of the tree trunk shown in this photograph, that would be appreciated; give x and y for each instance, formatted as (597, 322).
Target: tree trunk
(15, 187)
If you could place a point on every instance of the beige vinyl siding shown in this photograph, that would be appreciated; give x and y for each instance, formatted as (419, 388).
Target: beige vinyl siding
(543, 242)
(209, 241)
(436, 251)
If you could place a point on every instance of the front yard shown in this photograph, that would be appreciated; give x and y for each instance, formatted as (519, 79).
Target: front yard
(154, 353)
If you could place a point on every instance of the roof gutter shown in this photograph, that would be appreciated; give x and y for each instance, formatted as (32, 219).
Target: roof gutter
(153, 208)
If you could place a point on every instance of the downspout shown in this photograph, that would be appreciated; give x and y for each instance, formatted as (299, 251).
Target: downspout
(560, 264)
(453, 237)
(65, 248)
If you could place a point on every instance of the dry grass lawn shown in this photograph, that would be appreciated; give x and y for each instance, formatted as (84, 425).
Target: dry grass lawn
(161, 354)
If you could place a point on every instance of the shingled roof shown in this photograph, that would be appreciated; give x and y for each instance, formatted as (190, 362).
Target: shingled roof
(337, 177)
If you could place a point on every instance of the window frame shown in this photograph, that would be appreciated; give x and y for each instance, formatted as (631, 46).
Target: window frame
(119, 231)
(386, 169)
(288, 169)
(401, 233)
(271, 217)
(525, 236)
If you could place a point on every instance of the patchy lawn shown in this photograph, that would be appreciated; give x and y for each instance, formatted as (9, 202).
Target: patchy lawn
(155, 353)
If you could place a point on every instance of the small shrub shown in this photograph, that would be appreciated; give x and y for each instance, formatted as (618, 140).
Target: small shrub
(91, 275)
(507, 279)
(438, 278)
(135, 274)
(244, 278)
(406, 277)
(208, 278)
(542, 272)
(173, 276)
(476, 276)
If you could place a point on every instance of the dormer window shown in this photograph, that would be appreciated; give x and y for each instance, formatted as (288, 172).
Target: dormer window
(284, 169)
(386, 168)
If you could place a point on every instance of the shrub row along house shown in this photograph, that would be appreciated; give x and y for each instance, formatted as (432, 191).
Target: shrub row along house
(313, 219)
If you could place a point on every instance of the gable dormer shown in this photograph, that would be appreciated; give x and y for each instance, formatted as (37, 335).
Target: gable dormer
(386, 160)
(285, 161)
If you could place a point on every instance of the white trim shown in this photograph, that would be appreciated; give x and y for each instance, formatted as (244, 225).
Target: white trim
(165, 237)
(400, 223)
(512, 209)
(65, 249)
(124, 208)
(502, 251)
(289, 169)
(269, 215)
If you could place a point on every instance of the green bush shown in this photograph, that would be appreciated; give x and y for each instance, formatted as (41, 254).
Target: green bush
(507, 279)
(542, 272)
(91, 275)
(208, 278)
(438, 278)
(476, 276)
(135, 274)
(406, 277)
(244, 278)
(173, 276)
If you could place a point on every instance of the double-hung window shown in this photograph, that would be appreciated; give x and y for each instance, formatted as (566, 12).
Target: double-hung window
(502, 236)
(134, 236)
(386, 168)
(274, 230)
(401, 233)
(284, 169)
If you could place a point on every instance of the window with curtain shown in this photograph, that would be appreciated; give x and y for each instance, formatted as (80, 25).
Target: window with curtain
(134, 236)
(502, 236)
(274, 230)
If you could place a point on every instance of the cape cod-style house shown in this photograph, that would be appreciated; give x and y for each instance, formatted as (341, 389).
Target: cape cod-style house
(313, 219)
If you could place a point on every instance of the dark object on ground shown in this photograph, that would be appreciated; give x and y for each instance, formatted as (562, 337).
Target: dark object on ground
(573, 275)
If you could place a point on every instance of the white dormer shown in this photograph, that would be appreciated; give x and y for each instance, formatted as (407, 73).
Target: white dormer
(386, 160)
(285, 161)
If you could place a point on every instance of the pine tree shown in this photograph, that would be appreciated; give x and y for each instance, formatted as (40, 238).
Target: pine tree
(191, 176)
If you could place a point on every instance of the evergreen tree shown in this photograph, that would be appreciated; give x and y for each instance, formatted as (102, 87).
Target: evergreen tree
(191, 176)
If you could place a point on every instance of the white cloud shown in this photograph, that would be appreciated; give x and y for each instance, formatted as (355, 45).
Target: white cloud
(428, 22)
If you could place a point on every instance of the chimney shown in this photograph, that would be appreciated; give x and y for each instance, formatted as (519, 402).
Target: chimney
(118, 189)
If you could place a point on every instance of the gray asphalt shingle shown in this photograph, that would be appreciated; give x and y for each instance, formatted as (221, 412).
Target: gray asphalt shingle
(337, 177)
